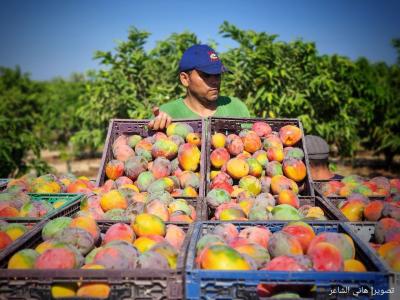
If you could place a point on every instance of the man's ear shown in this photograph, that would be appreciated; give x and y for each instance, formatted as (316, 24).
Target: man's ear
(185, 78)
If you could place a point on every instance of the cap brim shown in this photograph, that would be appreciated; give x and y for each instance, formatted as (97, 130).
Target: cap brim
(214, 69)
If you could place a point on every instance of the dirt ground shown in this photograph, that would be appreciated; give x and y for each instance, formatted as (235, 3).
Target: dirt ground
(365, 164)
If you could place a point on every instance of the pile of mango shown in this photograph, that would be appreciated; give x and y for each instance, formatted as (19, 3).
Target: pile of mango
(294, 248)
(360, 203)
(167, 161)
(124, 204)
(9, 232)
(73, 243)
(354, 184)
(50, 184)
(387, 242)
(16, 203)
(257, 175)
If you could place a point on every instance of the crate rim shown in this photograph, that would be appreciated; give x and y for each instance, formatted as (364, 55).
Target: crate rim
(318, 183)
(252, 120)
(381, 268)
(334, 211)
(66, 273)
(203, 132)
(75, 197)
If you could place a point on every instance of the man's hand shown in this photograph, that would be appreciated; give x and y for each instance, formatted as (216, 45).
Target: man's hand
(161, 120)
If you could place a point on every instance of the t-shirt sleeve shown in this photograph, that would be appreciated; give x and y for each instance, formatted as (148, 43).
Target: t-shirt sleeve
(168, 107)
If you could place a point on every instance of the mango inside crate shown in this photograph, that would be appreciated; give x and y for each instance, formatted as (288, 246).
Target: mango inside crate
(54, 203)
(118, 127)
(122, 283)
(243, 284)
(228, 126)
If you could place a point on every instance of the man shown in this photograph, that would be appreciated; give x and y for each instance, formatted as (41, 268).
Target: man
(318, 153)
(200, 72)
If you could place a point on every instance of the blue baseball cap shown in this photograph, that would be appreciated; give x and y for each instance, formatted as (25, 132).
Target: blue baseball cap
(202, 58)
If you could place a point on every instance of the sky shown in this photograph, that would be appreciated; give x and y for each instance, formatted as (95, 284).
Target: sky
(49, 38)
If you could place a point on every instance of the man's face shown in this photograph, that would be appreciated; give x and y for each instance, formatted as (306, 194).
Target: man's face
(204, 87)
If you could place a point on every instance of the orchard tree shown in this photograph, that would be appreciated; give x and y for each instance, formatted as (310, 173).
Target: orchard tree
(130, 84)
(352, 104)
(20, 116)
(60, 100)
(384, 134)
(290, 80)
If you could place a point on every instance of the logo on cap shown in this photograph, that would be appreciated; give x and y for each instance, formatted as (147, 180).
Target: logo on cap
(213, 56)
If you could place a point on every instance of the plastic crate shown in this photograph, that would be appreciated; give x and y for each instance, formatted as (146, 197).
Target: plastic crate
(118, 127)
(335, 201)
(33, 226)
(366, 232)
(235, 125)
(3, 183)
(124, 284)
(72, 200)
(206, 284)
(319, 183)
(330, 211)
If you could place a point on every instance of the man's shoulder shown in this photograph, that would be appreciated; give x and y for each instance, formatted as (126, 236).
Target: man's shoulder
(233, 107)
(172, 107)
(177, 109)
(172, 103)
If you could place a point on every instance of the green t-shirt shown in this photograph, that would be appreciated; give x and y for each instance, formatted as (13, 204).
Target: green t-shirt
(227, 107)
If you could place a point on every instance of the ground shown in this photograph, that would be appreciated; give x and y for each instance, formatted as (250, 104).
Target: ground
(365, 164)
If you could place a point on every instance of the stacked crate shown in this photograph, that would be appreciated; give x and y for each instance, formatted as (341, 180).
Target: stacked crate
(209, 284)
(363, 227)
(188, 280)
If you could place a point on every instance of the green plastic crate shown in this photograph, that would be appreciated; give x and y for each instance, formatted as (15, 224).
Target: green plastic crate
(71, 200)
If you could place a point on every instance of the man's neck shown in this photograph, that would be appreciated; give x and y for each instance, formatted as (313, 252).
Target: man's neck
(202, 108)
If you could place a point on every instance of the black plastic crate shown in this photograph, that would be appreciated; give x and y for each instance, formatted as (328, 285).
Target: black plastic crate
(206, 284)
(72, 200)
(318, 184)
(33, 226)
(330, 211)
(366, 232)
(235, 125)
(335, 202)
(119, 127)
(124, 284)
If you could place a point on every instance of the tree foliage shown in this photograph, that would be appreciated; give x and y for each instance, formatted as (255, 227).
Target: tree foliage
(35, 116)
(349, 103)
(20, 114)
(352, 104)
(131, 82)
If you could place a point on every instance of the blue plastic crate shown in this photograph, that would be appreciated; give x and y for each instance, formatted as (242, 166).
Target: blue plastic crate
(205, 284)
(366, 232)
